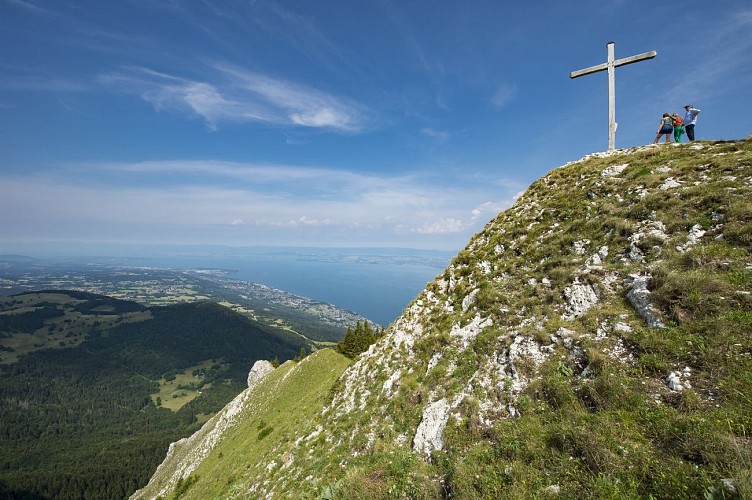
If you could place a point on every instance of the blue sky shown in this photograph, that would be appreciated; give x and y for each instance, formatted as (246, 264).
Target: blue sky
(335, 122)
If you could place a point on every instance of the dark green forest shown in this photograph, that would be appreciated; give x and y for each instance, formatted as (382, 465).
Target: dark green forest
(358, 339)
(77, 421)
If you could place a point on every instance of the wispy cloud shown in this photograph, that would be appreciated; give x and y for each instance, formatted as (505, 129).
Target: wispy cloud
(256, 176)
(300, 104)
(237, 95)
(443, 225)
(30, 7)
(40, 83)
(441, 135)
(505, 92)
(328, 204)
(722, 61)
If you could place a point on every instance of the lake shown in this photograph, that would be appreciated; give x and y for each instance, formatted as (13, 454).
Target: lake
(376, 283)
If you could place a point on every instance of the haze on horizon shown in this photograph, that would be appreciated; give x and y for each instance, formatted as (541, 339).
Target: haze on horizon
(330, 124)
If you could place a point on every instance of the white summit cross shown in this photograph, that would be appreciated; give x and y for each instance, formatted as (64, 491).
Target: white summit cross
(611, 65)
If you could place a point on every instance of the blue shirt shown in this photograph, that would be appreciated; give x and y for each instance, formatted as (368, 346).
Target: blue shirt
(691, 117)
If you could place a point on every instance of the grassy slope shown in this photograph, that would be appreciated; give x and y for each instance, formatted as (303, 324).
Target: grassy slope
(613, 431)
(286, 404)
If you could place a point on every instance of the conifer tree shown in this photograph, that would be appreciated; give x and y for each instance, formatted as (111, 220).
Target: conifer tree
(358, 340)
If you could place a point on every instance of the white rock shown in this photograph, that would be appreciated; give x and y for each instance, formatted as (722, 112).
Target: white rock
(259, 369)
(639, 297)
(656, 229)
(485, 267)
(389, 383)
(729, 485)
(522, 348)
(622, 327)
(469, 300)
(468, 332)
(579, 297)
(674, 382)
(579, 247)
(598, 258)
(434, 361)
(669, 183)
(430, 433)
(693, 238)
(553, 489)
(613, 170)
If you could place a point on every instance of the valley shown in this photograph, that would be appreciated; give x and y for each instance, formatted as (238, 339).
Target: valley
(93, 389)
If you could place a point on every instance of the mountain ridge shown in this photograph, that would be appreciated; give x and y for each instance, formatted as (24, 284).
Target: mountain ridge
(593, 340)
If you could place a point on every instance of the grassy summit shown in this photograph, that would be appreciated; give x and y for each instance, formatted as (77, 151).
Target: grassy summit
(593, 341)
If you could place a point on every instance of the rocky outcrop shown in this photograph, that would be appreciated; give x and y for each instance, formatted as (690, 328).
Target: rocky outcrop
(185, 455)
(429, 435)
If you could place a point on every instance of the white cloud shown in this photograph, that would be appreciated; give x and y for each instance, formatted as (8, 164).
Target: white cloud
(232, 94)
(238, 203)
(30, 7)
(312, 222)
(301, 104)
(721, 61)
(448, 225)
(504, 94)
(436, 134)
(320, 118)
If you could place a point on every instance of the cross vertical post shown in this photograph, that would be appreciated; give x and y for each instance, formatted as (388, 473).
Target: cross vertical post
(610, 65)
(611, 97)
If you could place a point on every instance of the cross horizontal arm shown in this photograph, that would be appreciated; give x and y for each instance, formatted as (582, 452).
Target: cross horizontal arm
(618, 62)
(587, 71)
(637, 58)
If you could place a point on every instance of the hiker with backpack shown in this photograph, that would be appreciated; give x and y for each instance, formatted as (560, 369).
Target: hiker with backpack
(665, 128)
(678, 123)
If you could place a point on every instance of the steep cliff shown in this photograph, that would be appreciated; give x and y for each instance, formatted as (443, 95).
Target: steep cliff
(594, 340)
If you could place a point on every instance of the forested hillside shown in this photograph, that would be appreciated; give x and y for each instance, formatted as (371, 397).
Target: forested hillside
(93, 389)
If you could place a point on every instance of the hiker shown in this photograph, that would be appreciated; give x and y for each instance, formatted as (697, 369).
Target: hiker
(665, 128)
(690, 118)
(678, 123)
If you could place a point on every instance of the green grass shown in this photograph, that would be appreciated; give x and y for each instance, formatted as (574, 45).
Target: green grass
(286, 404)
(172, 396)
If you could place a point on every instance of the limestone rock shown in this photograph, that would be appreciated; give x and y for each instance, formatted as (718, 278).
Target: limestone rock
(430, 433)
(579, 297)
(678, 381)
(639, 297)
(670, 183)
(259, 369)
(613, 170)
(693, 238)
